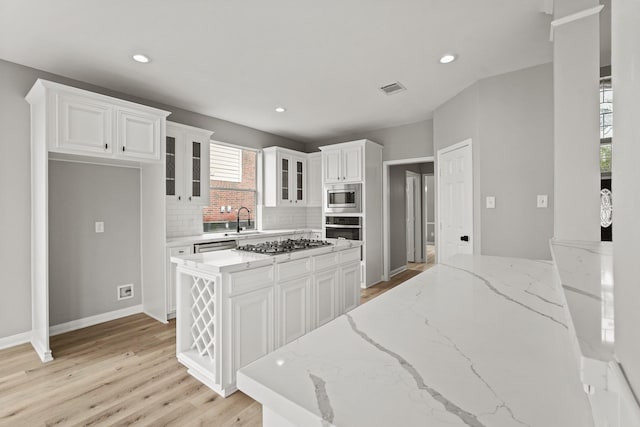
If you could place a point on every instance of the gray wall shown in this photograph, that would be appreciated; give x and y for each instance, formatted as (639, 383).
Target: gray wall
(15, 82)
(398, 207)
(85, 267)
(510, 120)
(455, 121)
(626, 176)
(400, 142)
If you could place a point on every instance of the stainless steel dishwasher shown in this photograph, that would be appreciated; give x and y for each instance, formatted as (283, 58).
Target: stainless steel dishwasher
(199, 248)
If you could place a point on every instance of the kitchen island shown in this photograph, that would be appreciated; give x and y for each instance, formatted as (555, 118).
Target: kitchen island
(235, 306)
(475, 341)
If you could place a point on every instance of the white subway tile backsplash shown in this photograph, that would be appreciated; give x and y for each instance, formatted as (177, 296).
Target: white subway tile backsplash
(186, 220)
(183, 219)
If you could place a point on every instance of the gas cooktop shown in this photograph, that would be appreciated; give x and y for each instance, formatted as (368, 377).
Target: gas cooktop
(290, 245)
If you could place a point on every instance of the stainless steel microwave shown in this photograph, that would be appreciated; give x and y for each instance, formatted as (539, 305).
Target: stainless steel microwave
(344, 198)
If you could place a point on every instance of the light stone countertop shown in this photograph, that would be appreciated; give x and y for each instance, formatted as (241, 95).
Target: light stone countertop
(233, 259)
(585, 271)
(476, 341)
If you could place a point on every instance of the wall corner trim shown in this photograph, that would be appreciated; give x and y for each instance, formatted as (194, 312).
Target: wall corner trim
(573, 17)
(14, 340)
(94, 320)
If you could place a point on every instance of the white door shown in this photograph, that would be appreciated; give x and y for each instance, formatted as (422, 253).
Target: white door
(455, 200)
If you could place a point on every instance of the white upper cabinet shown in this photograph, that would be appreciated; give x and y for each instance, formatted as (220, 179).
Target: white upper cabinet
(89, 124)
(187, 164)
(84, 124)
(285, 177)
(352, 163)
(342, 163)
(139, 134)
(314, 179)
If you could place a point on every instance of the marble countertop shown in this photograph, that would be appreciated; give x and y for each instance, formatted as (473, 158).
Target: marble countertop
(477, 341)
(585, 270)
(233, 259)
(231, 235)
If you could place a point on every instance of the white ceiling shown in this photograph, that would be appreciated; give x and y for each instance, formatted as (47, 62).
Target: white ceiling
(239, 59)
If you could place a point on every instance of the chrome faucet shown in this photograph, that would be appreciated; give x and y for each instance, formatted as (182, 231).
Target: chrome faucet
(238, 218)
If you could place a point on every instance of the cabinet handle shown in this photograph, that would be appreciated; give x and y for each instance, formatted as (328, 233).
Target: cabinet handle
(106, 146)
(123, 148)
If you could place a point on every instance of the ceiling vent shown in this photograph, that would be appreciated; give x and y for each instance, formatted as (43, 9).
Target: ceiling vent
(393, 88)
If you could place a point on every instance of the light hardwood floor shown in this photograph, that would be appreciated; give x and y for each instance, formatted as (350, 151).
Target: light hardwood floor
(123, 372)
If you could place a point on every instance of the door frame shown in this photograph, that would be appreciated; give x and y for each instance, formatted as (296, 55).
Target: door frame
(417, 215)
(386, 237)
(450, 148)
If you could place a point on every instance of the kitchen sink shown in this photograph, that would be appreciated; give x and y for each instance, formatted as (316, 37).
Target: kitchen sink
(243, 233)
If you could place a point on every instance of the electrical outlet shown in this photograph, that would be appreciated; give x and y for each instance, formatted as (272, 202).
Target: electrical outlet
(125, 291)
(99, 226)
(542, 201)
(491, 202)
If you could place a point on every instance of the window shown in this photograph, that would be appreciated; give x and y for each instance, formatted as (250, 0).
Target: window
(606, 125)
(232, 185)
(226, 163)
(606, 138)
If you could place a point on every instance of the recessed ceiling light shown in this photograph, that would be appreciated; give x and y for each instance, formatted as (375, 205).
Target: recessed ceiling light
(281, 109)
(138, 57)
(449, 57)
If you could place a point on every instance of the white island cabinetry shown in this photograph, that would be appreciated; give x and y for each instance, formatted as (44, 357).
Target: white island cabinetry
(234, 307)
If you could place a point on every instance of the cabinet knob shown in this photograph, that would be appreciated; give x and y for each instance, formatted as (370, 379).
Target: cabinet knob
(179, 198)
(290, 201)
(344, 177)
(189, 198)
(106, 146)
(124, 148)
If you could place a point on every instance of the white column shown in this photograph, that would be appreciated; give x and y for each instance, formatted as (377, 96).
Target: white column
(576, 74)
(625, 67)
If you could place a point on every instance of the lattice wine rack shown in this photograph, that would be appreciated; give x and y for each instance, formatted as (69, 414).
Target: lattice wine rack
(204, 317)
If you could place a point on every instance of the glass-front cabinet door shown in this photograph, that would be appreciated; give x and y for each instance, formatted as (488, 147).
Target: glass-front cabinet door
(285, 166)
(299, 184)
(197, 176)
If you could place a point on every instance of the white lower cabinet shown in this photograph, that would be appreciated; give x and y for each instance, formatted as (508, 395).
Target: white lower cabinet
(325, 297)
(293, 302)
(250, 328)
(227, 320)
(171, 277)
(349, 286)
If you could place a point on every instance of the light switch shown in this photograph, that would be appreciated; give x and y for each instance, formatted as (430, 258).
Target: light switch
(99, 226)
(491, 202)
(543, 201)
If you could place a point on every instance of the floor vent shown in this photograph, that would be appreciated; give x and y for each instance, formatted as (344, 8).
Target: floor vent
(393, 88)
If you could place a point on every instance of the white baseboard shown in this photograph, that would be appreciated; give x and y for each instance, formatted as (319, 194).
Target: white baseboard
(94, 320)
(397, 270)
(14, 340)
